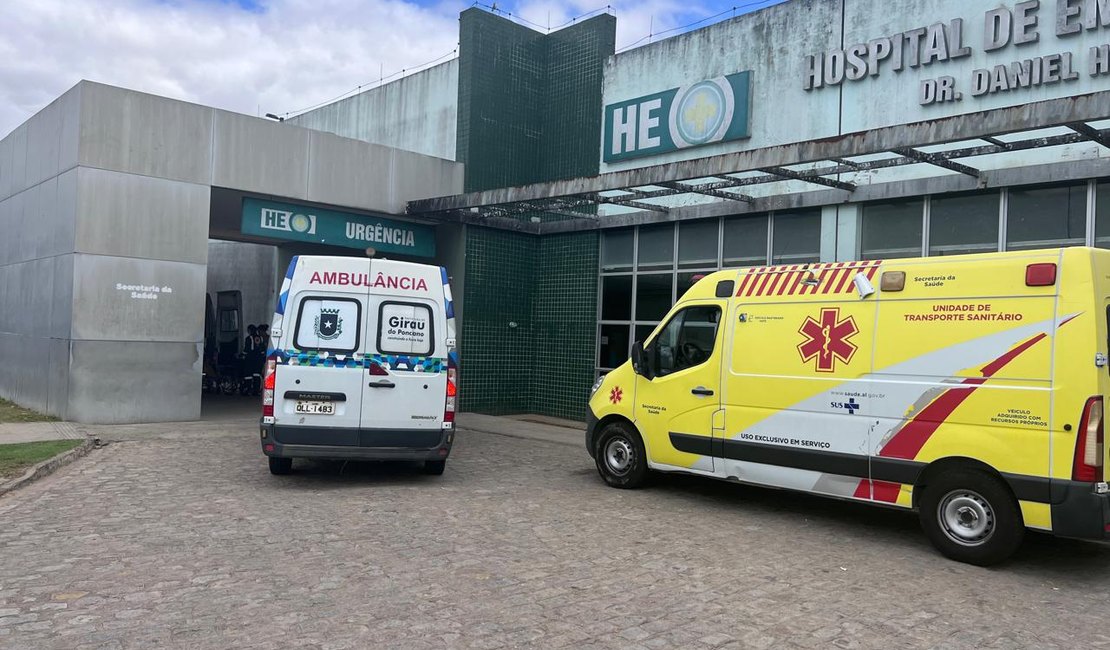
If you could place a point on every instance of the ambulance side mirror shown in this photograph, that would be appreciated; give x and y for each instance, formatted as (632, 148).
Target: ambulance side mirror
(638, 365)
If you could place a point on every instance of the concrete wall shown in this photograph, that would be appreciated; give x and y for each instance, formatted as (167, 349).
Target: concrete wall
(250, 269)
(38, 205)
(105, 198)
(416, 113)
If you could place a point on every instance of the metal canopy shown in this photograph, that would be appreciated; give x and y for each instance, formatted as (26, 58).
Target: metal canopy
(821, 161)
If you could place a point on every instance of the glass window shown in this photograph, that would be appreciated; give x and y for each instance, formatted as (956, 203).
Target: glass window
(616, 297)
(616, 250)
(328, 324)
(686, 341)
(797, 237)
(697, 244)
(644, 331)
(963, 223)
(746, 241)
(1102, 215)
(892, 229)
(1044, 217)
(614, 346)
(687, 280)
(656, 247)
(405, 328)
(653, 296)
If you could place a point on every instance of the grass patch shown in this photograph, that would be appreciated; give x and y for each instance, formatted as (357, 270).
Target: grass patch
(11, 413)
(15, 459)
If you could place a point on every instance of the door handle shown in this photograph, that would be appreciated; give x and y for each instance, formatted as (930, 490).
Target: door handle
(701, 390)
(385, 383)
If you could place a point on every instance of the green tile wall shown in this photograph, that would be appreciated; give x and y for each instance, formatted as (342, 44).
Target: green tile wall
(495, 358)
(529, 112)
(548, 287)
(529, 103)
(564, 324)
(572, 98)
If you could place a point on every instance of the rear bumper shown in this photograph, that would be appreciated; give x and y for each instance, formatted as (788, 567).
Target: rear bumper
(355, 444)
(1079, 511)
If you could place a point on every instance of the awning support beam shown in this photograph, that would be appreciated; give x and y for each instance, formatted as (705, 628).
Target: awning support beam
(707, 189)
(937, 160)
(798, 176)
(1091, 133)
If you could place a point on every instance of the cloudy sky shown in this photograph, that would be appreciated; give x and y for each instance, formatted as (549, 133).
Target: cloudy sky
(265, 56)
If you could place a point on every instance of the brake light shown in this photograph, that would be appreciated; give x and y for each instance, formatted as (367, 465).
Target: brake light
(269, 380)
(452, 395)
(1087, 466)
(1040, 275)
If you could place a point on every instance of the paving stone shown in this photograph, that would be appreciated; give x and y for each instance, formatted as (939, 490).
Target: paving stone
(181, 538)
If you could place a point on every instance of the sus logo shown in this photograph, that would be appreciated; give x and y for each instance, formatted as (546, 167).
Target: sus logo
(827, 339)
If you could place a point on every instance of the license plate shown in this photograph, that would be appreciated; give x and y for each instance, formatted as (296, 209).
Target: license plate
(316, 408)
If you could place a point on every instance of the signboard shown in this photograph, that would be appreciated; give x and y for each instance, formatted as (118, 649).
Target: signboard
(1002, 33)
(705, 112)
(318, 226)
(405, 328)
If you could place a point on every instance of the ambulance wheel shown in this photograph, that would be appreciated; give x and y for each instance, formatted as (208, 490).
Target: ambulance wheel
(434, 467)
(972, 517)
(281, 466)
(620, 457)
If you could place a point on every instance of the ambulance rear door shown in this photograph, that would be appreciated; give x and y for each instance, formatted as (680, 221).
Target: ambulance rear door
(318, 388)
(405, 384)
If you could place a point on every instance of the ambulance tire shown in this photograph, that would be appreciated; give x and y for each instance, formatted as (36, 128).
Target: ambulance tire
(435, 467)
(620, 457)
(281, 466)
(972, 516)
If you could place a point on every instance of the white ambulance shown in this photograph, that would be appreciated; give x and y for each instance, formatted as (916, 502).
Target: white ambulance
(361, 364)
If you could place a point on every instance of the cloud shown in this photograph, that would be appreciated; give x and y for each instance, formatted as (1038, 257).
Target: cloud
(275, 57)
(253, 56)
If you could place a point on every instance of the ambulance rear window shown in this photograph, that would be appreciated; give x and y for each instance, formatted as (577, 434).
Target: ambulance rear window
(405, 328)
(328, 325)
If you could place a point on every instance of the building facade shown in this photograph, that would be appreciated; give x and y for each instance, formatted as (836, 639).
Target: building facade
(574, 192)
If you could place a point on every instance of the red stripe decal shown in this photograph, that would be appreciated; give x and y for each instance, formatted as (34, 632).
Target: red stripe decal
(774, 283)
(797, 280)
(743, 283)
(756, 277)
(887, 492)
(832, 278)
(912, 437)
(786, 279)
(820, 280)
(1069, 319)
(871, 271)
(763, 285)
(907, 443)
(852, 270)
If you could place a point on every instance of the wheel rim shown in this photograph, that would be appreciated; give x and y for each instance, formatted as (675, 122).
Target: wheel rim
(966, 517)
(619, 456)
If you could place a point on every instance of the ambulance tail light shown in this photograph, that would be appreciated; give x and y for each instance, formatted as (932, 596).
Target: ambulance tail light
(1040, 275)
(1087, 466)
(269, 380)
(452, 395)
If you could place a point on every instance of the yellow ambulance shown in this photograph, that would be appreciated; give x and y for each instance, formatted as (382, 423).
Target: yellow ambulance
(969, 388)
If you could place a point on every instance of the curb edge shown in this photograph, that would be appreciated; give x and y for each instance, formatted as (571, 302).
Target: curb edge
(47, 467)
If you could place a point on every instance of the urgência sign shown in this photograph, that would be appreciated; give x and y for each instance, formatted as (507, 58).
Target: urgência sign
(320, 226)
(704, 112)
(1020, 25)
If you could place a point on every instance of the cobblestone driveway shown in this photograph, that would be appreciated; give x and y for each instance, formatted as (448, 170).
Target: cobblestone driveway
(174, 542)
